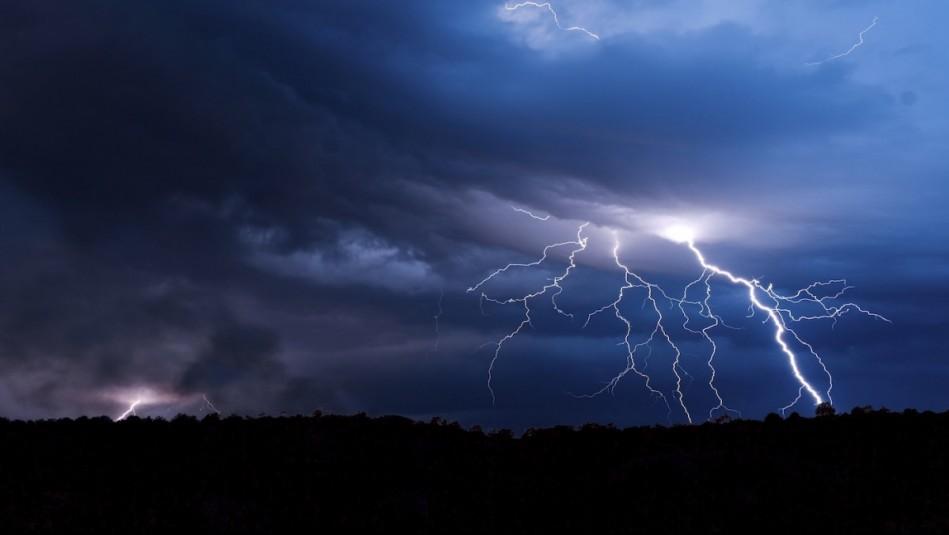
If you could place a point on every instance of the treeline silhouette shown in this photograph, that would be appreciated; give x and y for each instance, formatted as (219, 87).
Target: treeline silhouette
(866, 471)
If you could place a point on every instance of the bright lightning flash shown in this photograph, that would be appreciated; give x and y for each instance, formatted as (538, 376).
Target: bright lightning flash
(776, 307)
(130, 411)
(138, 398)
(679, 233)
(553, 13)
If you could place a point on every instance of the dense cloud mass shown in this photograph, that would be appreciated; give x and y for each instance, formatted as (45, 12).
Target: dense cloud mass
(262, 202)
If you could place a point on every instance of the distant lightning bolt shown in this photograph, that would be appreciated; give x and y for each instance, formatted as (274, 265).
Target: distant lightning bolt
(853, 47)
(530, 214)
(580, 244)
(130, 411)
(149, 396)
(209, 405)
(553, 13)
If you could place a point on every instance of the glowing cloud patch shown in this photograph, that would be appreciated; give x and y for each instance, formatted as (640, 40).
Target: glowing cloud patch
(679, 234)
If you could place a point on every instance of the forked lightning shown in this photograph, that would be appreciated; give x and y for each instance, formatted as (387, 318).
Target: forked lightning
(777, 308)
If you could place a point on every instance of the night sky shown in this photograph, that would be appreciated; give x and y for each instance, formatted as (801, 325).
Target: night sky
(262, 202)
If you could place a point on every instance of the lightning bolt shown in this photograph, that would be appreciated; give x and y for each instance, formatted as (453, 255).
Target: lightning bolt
(580, 244)
(130, 411)
(147, 396)
(705, 311)
(209, 405)
(763, 298)
(530, 214)
(553, 13)
(633, 350)
(774, 305)
(853, 47)
(776, 308)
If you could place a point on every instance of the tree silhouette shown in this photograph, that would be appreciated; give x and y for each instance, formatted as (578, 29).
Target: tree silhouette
(347, 474)
(825, 409)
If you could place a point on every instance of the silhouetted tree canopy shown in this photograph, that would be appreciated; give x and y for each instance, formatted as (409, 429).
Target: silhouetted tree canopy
(825, 409)
(864, 472)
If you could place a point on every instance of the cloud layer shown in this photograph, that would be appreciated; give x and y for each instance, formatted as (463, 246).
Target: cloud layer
(263, 202)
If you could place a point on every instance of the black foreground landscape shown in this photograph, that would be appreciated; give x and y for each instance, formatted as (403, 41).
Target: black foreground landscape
(867, 471)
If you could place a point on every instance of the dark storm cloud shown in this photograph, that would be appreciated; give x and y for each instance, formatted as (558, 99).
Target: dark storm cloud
(191, 114)
(264, 198)
(234, 353)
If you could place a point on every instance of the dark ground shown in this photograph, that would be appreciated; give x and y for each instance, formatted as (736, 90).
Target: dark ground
(868, 471)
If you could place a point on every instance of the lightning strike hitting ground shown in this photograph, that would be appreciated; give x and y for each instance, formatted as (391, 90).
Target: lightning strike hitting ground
(140, 397)
(777, 309)
(853, 47)
(130, 411)
(779, 313)
(209, 405)
(548, 7)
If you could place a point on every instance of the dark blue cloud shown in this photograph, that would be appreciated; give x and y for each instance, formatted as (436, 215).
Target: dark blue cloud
(288, 186)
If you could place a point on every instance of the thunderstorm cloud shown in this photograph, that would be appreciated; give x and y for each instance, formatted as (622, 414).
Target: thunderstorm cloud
(263, 201)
